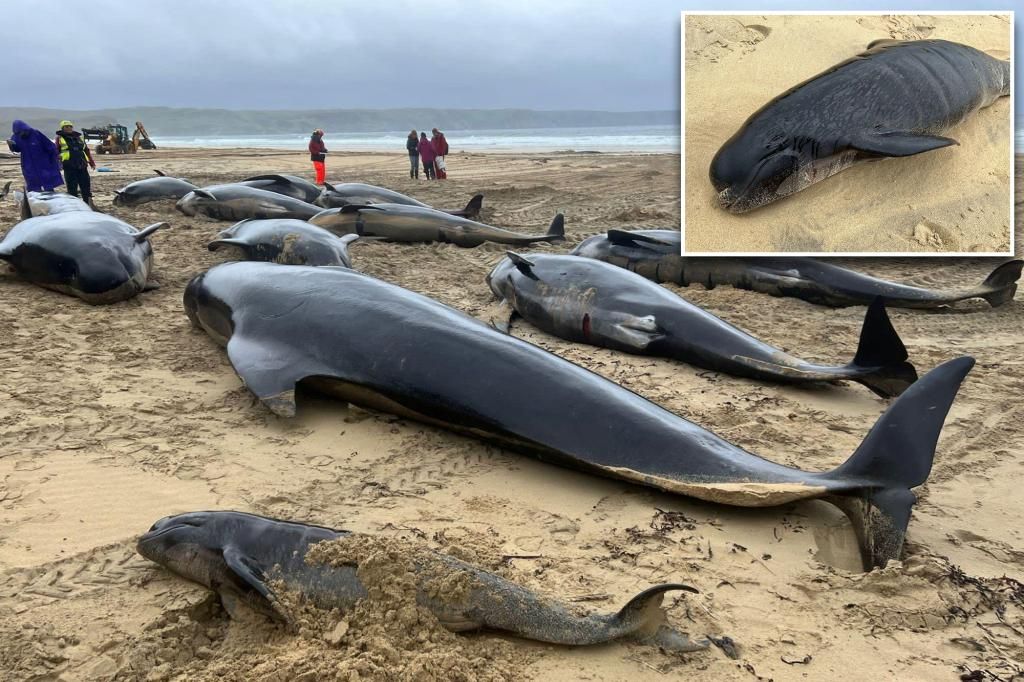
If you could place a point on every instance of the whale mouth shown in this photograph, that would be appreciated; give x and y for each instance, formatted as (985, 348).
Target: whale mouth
(726, 198)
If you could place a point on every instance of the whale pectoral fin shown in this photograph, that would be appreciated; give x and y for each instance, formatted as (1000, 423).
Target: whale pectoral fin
(249, 575)
(261, 370)
(504, 323)
(7, 188)
(630, 331)
(144, 234)
(900, 143)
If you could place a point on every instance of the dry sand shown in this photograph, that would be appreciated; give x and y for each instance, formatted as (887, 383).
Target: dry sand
(953, 200)
(112, 417)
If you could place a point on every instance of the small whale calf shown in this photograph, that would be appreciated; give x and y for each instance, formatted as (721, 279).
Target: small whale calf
(249, 559)
(655, 255)
(898, 98)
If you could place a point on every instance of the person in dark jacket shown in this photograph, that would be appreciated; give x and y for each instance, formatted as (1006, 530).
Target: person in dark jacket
(76, 159)
(40, 163)
(441, 149)
(427, 155)
(412, 146)
(317, 154)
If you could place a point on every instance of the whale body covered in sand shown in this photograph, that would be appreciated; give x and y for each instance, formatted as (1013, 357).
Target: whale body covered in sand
(249, 559)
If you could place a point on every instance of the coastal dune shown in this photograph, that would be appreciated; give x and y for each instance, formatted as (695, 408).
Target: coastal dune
(112, 417)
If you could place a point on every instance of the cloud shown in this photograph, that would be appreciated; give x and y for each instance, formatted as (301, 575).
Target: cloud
(312, 54)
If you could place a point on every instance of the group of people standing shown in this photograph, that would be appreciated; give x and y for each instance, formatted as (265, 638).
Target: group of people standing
(431, 152)
(43, 159)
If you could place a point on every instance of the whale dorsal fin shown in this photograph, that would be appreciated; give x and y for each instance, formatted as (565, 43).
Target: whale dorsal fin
(355, 208)
(329, 186)
(26, 208)
(523, 264)
(899, 143)
(627, 238)
(160, 172)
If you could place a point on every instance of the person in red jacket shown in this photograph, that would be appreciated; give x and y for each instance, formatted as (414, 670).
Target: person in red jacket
(317, 154)
(441, 148)
(427, 155)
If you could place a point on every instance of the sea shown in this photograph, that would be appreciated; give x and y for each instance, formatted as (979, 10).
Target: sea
(633, 139)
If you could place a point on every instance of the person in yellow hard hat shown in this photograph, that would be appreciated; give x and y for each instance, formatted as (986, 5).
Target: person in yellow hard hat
(76, 159)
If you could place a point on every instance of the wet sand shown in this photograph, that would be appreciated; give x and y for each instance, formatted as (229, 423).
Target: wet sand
(112, 417)
(951, 200)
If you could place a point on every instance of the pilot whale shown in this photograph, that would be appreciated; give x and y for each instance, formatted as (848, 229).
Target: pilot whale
(655, 255)
(898, 98)
(383, 347)
(585, 300)
(249, 559)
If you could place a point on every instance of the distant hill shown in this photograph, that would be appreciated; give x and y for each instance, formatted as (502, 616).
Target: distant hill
(216, 122)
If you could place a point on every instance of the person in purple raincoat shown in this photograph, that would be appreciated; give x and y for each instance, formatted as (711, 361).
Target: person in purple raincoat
(40, 163)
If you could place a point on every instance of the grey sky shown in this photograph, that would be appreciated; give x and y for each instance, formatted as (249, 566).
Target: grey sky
(304, 54)
(315, 53)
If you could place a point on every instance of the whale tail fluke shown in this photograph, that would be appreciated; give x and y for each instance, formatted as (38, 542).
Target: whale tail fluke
(880, 346)
(896, 456)
(1001, 285)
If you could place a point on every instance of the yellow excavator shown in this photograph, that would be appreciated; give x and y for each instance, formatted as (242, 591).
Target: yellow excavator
(115, 139)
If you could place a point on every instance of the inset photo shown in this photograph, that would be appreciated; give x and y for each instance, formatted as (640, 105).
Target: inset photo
(847, 133)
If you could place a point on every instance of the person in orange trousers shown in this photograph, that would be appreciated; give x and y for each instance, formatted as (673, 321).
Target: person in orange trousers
(317, 154)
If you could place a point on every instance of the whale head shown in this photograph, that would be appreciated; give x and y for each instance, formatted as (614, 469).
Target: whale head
(187, 544)
(755, 168)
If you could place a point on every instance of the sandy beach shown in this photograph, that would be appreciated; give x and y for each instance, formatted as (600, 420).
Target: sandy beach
(951, 200)
(112, 417)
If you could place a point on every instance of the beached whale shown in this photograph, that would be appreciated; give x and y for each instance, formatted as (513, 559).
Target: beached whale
(383, 347)
(585, 300)
(160, 188)
(401, 223)
(91, 255)
(288, 185)
(898, 98)
(344, 194)
(286, 241)
(239, 202)
(48, 203)
(249, 559)
(655, 255)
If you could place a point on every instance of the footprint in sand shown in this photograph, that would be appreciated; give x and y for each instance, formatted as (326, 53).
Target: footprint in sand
(935, 236)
